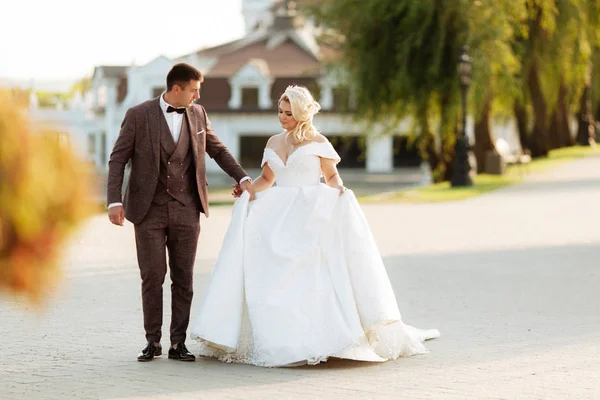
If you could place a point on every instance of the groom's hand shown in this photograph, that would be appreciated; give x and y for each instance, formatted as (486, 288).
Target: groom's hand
(237, 190)
(247, 186)
(116, 215)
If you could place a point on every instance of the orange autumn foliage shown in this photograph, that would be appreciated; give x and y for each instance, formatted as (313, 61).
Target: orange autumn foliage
(45, 193)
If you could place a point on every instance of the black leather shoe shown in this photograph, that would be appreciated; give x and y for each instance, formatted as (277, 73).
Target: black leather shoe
(149, 352)
(181, 353)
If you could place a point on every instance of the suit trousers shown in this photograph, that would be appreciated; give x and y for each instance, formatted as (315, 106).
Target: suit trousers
(174, 228)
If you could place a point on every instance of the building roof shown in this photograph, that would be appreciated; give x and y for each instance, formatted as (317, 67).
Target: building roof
(284, 48)
(284, 60)
(112, 71)
(287, 47)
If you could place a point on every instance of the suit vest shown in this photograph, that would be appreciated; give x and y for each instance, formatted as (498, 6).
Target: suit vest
(177, 175)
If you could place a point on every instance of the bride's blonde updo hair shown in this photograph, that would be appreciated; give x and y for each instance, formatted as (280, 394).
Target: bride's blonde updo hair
(304, 107)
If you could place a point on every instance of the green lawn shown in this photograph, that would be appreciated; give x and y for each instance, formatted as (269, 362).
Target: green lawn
(483, 183)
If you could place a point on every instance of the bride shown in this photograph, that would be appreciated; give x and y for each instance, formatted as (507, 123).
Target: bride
(299, 278)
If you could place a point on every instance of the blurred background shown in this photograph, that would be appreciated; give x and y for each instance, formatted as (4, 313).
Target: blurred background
(399, 81)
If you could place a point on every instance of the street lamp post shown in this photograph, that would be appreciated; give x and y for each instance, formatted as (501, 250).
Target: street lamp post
(461, 169)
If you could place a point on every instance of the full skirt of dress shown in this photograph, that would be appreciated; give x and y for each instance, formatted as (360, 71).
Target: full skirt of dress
(299, 279)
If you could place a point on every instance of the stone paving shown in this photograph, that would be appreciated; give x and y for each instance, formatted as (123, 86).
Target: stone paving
(511, 279)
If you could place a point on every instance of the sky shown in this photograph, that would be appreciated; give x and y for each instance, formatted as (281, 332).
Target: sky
(58, 40)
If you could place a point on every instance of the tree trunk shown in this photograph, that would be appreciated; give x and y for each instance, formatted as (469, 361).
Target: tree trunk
(566, 136)
(539, 134)
(426, 144)
(585, 118)
(553, 130)
(559, 131)
(483, 135)
(522, 121)
(428, 152)
(448, 136)
(538, 140)
(448, 153)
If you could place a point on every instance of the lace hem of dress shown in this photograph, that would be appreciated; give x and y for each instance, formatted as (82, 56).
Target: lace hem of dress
(207, 350)
(385, 341)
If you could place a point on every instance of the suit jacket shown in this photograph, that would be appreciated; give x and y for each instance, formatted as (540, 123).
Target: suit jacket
(139, 142)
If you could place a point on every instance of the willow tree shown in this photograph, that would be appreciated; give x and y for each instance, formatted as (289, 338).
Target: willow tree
(554, 44)
(401, 62)
(590, 17)
(401, 57)
(567, 79)
(491, 29)
(539, 26)
(595, 83)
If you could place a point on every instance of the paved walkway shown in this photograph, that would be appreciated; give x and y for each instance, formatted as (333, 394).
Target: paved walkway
(511, 279)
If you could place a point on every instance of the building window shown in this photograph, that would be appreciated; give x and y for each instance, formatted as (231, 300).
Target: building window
(341, 99)
(251, 150)
(315, 90)
(103, 159)
(91, 144)
(352, 150)
(101, 96)
(157, 91)
(250, 97)
(406, 152)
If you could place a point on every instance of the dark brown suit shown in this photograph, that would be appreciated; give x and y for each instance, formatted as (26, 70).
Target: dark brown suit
(164, 197)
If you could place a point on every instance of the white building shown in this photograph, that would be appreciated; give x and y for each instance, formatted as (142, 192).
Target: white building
(69, 121)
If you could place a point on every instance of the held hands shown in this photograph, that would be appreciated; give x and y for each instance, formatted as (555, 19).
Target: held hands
(238, 189)
(116, 215)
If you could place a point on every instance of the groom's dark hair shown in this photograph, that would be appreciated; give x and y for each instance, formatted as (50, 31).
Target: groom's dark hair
(181, 74)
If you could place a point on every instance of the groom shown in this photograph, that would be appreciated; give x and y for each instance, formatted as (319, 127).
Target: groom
(166, 139)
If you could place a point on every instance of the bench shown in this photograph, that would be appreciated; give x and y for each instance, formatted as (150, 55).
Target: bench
(513, 157)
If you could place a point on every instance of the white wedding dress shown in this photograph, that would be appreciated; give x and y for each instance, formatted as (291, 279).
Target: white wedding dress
(299, 277)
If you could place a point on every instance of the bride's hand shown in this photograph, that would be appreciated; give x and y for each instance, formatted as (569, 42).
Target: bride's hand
(341, 188)
(246, 186)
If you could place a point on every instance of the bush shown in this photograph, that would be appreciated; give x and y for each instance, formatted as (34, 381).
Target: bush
(45, 193)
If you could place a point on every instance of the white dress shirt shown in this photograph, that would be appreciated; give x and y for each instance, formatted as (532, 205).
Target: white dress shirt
(174, 120)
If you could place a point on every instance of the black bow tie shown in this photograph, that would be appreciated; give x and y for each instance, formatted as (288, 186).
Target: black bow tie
(177, 110)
